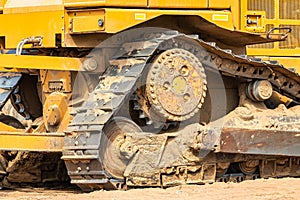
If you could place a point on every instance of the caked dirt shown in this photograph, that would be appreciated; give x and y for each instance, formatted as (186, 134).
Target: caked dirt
(272, 189)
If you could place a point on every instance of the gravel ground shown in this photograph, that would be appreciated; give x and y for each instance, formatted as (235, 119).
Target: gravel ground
(272, 189)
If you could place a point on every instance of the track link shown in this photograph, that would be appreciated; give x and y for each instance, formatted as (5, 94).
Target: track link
(84, 135)
(83, 141)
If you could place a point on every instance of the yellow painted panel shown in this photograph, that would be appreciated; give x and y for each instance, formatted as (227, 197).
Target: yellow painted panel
(87, 24)
(94, 3)
(21, 6)
(86, 21)
(4, 127)
(2, 2)
(16, 27)
(8, 62)
(276, 13)
(232, 5)
(52, 142)
(119, 19)
(221, 4)
(273, 52)
(178, 4)
(288, 62)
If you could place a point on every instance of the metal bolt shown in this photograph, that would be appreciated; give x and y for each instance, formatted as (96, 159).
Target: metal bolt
(100, 22)
(90, 64)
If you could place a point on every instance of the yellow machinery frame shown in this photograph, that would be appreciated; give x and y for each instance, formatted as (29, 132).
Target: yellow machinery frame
(66, 19)
(289, 57)
(42, 142)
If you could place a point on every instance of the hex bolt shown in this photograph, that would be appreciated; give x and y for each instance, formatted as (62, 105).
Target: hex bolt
(100, 22)
(90, 64)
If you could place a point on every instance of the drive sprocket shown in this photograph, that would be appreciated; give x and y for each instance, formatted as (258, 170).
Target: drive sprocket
(176, 85)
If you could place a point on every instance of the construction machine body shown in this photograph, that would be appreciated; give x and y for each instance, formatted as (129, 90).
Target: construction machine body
(148, 93)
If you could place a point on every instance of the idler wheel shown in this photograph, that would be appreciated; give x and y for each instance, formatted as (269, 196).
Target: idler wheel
(114, 161)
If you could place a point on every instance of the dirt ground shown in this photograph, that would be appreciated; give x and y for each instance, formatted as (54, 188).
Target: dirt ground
(271, 189)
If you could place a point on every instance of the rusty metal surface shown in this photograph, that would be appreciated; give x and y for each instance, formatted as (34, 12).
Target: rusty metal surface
(260, 141)
(178, 75)
(254, 129)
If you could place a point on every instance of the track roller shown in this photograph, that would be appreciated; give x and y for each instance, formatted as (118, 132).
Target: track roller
(259, 90)
(114, 160)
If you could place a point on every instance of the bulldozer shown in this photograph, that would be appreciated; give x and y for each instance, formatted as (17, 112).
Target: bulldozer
(148, 93)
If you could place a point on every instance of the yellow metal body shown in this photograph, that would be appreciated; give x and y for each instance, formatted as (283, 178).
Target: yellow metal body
(44, 142)
(7, 128)
(116, 20)
(51, 24)
(15, 63)
(64, 24)
(275, 13)
(46, 24)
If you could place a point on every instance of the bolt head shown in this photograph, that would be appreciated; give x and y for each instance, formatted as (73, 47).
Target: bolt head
(100, 22)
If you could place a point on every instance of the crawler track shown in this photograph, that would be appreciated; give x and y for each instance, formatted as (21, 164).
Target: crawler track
(84, 138)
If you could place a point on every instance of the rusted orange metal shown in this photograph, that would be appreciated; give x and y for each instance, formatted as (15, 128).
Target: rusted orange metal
(260, 141)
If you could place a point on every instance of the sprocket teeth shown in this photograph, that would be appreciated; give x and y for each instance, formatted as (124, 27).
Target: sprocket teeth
(180, 84)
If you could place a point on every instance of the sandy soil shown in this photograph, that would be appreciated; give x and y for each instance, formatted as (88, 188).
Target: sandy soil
(272, 189)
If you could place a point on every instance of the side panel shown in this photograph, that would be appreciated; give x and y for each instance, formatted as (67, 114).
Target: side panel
(232, 5)
(93, 3)
(275, 13)
(23, 6)
(139, 3)
(116, 20)
(221, 4)
(178, 4)
(16, 27)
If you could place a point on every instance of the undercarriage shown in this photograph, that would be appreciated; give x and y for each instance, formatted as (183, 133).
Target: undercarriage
(164, 109)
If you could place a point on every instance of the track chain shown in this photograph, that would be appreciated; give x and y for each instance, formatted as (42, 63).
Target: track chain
(83, 141)
(236, 177)
(83, 137)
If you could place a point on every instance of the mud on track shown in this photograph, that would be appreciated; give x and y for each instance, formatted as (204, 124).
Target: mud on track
(271, 189)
